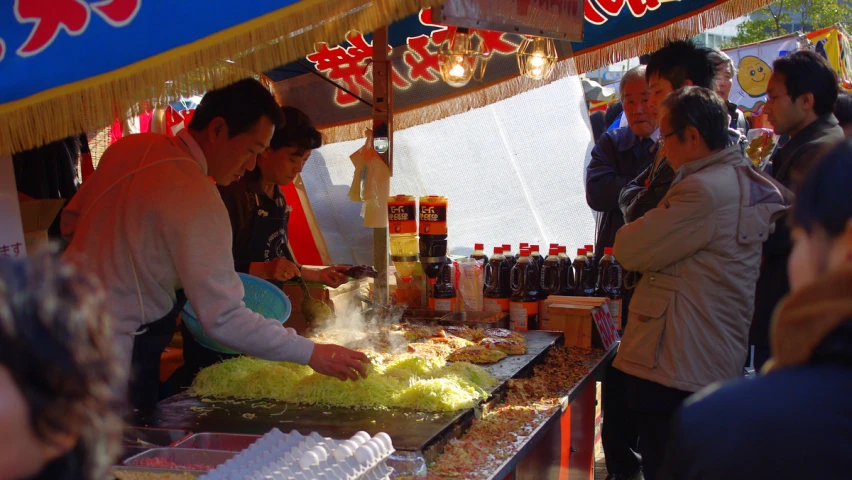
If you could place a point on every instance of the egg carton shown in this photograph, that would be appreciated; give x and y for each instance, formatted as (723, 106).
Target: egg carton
(293, 456)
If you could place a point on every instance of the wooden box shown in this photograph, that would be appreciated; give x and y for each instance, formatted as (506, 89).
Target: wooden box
(573, 317)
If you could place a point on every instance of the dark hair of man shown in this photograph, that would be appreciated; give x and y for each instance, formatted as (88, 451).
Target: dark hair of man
(297, 131)
(825, 199)
(701, 108)
(843, 109)
(680, 61)
(56, 341)
(806, 72)
(241, 105)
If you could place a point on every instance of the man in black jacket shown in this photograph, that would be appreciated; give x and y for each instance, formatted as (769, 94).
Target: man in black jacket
(796, 421)
(676, 65)
(618, 157)
(801, 95)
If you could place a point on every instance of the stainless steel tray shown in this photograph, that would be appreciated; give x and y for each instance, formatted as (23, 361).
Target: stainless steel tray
(227, 442)
(152, 437)
(124, 472)
(181, 457)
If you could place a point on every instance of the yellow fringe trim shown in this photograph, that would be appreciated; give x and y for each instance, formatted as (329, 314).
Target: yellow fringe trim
(597, 57)
(261, 44)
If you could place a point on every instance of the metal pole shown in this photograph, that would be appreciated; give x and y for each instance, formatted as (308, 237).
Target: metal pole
(382, 115)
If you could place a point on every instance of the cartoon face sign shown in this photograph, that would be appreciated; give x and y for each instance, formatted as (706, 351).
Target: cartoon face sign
(753, 75)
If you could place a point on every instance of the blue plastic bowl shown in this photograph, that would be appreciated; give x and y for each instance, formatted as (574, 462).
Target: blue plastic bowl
(261, 297)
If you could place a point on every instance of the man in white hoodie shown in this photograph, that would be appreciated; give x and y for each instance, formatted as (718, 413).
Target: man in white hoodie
(151, 225)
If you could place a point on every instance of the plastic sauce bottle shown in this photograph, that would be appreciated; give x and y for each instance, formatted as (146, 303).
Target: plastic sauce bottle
(443, 295)
(611, 285)
(580, 271)
(510, 257)
(402, 227)
(433, 235)
(521, 247)
(496, 295)
(535, 254)
(593, 260)
(550, 283)
(523, 305)
(479, 253)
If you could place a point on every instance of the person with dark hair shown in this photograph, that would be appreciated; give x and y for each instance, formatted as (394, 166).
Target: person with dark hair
(678, 64)
(60, 374)
(800, 99)
(687, 328)
(259, 217)
(795, 421)
(843, 113)
(725, 72)
(149, 222)
(616, 160)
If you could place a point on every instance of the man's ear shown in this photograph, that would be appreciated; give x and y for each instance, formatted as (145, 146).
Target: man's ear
(217, 129)
(687, 83)
(806, 100)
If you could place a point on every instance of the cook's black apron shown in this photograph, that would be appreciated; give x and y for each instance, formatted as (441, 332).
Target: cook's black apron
(268, 242)
(148, 344)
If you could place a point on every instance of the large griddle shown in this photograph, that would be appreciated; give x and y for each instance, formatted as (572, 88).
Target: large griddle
(421, 432)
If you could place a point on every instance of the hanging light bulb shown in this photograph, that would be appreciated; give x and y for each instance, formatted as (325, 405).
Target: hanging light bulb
(462, 57)
(537, 57)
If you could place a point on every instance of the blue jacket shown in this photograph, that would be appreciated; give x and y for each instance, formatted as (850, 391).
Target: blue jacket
(795, 422)
(618, 158)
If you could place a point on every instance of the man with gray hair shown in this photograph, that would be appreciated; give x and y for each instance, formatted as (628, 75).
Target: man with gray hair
(619, 156)
(699, 254)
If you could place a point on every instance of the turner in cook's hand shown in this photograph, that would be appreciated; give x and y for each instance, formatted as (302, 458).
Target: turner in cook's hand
(312, 309)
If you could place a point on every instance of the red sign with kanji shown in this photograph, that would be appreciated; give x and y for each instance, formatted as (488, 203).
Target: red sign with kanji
(605, 327)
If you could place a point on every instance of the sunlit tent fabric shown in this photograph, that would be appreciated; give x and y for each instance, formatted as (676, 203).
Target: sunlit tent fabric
(614, 30)
(67, 66)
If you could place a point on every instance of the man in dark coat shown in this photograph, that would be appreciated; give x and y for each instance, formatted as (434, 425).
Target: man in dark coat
(676, 65)
(618, 157)
(796, 421)
(800, 100)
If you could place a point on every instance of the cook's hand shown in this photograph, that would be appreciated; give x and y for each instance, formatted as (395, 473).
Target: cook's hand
(339, 362)
(333, 276)
(282, 269)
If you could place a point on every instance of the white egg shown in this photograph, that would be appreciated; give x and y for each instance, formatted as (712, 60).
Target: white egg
(352, 444)
(376, 450)
(321, 452)
(342, 452)
(364, 436)
(385, 439)
(308, 460)
(365, 456)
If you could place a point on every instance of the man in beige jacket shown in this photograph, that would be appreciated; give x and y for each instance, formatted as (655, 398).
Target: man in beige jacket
(699, 252)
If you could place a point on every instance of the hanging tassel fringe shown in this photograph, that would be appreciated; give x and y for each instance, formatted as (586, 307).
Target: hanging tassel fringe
(597, 57)
(256, 46)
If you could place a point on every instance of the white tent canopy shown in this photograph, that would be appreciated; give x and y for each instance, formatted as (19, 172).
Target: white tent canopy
(513, 172)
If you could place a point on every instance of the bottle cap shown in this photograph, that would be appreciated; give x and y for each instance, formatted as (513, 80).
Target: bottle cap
(608, 251)
(563, 249)
(525, 252)
(590, 249)
(554, 250)
(498, 250)
(525, 245)
(507, 247)
(534, 248)
(478, 246)
(554, 245)
(581, 251)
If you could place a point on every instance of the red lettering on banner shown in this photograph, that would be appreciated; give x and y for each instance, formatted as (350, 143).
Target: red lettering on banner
(639, 7)
(48, 18)
(349, 65)
(117, 13)
(423, 62)
(13, 250)
(611, 7)
(592, 14)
